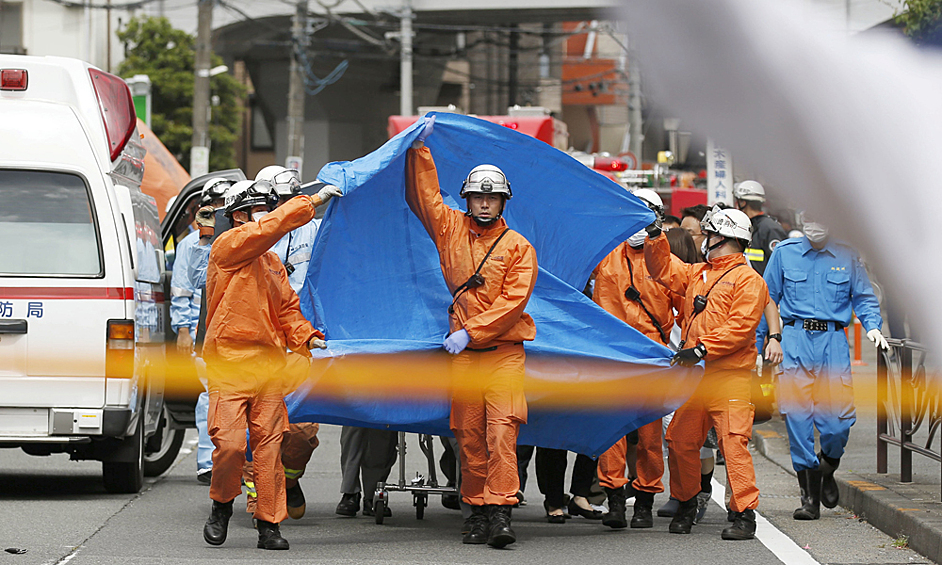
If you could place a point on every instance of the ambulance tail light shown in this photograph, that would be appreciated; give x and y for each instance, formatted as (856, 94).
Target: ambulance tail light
(610, 164)
(117, 109)
(13, 79)
(119, 357)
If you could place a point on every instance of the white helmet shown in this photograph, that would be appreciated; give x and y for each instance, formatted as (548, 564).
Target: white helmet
(651, 198)
(214, 189)
(486, 179)
(245, 194)
(729, 223)
(749, 190)
(287, 182)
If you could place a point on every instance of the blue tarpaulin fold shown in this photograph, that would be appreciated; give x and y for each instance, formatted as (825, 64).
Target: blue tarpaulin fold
(375, 286)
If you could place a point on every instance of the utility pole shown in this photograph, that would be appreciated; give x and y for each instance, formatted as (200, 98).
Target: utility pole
(296, 90)
(405, 62)
(634, 107)
(199, 153)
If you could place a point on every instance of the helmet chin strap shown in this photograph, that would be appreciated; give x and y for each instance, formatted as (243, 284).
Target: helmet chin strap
(485, 223)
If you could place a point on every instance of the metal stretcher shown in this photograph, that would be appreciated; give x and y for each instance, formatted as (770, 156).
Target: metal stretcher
(420, 487)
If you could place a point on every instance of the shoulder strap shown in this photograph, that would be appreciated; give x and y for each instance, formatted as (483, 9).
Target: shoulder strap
(707, 295)
(477, 271)
(657, 325)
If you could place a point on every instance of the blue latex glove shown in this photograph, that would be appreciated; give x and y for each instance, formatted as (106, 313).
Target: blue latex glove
(427, 129)
(456, 342)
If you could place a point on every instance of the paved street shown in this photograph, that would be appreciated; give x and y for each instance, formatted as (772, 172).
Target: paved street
(58, 511)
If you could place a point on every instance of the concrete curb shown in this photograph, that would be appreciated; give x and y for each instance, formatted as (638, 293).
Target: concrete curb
(885, 509)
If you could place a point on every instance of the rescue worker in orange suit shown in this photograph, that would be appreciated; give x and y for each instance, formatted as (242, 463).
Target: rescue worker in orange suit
(491, 271)
(624, 289)
(253, 316)
(723, 303)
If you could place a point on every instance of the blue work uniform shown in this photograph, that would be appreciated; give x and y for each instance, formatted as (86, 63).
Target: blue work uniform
(816, 386)
(185, 312)
(184, 296)
(295, 249)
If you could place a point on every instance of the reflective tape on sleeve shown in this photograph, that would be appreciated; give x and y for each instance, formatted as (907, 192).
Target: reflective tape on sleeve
(755, 254)
(293, 473)
(176, 291)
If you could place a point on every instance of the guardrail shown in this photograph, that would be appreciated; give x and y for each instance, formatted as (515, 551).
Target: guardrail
(908, 401)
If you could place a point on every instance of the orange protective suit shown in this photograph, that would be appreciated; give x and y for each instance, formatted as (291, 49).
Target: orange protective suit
(489, 403)
(253, 316)
(726, 327)
(621, 268)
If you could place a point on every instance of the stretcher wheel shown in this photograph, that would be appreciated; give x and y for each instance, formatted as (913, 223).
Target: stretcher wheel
(420, 501)
(379, 509)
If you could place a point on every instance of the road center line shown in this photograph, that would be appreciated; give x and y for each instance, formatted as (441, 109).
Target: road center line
(782, 546)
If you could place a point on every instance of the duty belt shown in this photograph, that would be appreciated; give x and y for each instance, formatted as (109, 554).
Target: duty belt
(816, 325)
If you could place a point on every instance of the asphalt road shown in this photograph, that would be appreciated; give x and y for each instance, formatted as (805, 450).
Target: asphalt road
(58, 511)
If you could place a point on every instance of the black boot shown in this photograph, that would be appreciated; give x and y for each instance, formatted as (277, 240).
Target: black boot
(644, 505)
(214, 532)
(269, 536)
(683, 519)
(295, 502)
(349, 504)
(829, 492)
(744, 526)
(809, 481)
(476, 526)
(499, 531)
(615, 517)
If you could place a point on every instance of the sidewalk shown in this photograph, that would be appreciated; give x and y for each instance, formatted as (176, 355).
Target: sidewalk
(898, 509)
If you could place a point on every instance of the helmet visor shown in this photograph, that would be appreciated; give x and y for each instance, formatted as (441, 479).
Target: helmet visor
(486, 181)
(261, 188)
(286, 182)
(216, 190)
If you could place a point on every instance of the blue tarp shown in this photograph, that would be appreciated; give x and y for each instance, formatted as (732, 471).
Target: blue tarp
(375, 285)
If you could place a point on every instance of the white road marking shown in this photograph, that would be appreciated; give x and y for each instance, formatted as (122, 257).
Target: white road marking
(782, 546)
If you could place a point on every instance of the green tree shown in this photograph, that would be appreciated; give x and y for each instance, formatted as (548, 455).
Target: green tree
(920, 19)
(167, 55)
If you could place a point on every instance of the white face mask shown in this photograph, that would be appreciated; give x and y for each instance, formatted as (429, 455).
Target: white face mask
(637, 239)
(256, 216)
(815, 232)
(704, 250)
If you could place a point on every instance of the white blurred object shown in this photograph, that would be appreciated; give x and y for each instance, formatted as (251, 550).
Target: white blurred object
(836, 121)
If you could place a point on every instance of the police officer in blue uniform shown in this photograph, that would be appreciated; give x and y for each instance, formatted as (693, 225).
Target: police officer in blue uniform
(185, 296)
(818, 283)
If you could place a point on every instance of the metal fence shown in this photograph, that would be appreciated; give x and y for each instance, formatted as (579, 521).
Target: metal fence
(908, 401)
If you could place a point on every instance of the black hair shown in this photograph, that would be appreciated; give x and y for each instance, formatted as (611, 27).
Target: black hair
(696, 212)
(752, 204)
(669, 219)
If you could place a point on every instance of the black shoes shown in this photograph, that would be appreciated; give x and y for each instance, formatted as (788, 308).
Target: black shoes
(829, 492)
(269, 536)
(499, 532)
(683, 519)
(205, 476)
(451, 501)
(615, 517)
(349, 504)
(554, 518)
(809, 481)
(296, 504)
(576, 510)
(475, 527)
(744, 526)
(214, 532)
(368, 508)
(644, 504)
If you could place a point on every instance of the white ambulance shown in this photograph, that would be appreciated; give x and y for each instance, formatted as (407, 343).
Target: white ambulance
(82, 304)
